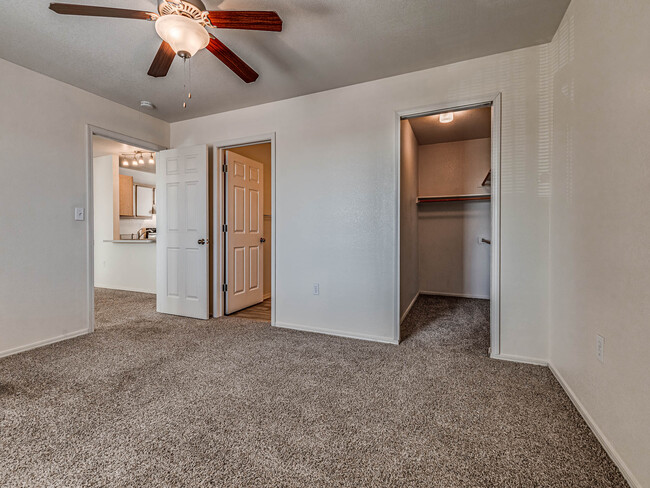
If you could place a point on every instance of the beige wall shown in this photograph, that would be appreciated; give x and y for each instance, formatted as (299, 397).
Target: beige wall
(43, 250)
(599, 106)
(454, 168)
(336, 196)
(262, 154)
(452, 261)
(409, 267)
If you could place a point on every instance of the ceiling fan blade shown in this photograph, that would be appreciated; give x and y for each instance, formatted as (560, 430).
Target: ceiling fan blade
(230, 59)
(72, 9)
(162, 61)
(246, 19)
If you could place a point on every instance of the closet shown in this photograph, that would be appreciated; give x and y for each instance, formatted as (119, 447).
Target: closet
(445, 202)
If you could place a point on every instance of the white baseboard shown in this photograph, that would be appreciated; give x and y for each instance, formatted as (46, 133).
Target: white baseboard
(520, 359)
(308, 328)
(45, 342)
(138, 290)
(408, 309)
(604, 441)
(459, 295)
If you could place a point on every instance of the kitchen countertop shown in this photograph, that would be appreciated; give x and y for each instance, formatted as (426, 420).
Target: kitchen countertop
(132, 241)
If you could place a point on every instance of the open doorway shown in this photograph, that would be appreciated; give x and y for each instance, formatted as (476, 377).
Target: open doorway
(122, 220)
(449, 226)
(247, 228)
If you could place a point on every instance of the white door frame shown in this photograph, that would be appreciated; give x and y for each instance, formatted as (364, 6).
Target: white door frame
(91, 131)
(218, 217)
(495, 208)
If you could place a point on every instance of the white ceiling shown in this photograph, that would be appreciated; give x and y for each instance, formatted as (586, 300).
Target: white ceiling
(467, 124)
(325, 44)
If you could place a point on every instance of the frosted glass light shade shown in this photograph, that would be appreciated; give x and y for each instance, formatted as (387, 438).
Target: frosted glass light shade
(184, 35)
(446, 118)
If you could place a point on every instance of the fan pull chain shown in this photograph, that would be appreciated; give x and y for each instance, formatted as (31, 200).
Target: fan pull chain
(189, 90)
(187, 80)
(184, 80)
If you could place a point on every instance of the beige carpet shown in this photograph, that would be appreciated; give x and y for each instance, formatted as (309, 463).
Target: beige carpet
(154, 400)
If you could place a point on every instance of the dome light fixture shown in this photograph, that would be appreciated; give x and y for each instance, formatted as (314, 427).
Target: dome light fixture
(185, 36)
(446, 118)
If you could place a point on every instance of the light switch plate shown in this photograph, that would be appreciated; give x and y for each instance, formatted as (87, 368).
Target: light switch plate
(79, 213)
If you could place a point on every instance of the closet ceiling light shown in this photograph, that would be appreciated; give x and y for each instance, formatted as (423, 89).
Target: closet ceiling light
(446, 118)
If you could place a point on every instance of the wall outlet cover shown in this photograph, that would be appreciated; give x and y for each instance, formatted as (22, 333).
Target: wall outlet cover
(600, 348)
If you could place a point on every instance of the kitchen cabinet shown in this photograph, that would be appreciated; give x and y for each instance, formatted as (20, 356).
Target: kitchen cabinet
(126, 196)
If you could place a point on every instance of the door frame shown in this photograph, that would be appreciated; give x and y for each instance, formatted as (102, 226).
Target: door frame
(219, 249)
(493, 100)
(92, 130)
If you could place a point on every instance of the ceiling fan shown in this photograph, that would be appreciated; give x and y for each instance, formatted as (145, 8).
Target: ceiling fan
(181, 24)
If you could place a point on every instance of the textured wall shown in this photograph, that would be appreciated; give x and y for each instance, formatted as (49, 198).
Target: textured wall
(452, 261)
(336, 199)
(409, 259)
(43, 250)
(598, 104)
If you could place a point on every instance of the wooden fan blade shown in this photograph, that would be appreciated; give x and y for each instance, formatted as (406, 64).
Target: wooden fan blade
(230, 59)
(245, 19)
(162, 61)
(72, 9)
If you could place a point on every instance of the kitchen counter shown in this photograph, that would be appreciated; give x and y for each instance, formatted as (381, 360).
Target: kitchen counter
(132, 241)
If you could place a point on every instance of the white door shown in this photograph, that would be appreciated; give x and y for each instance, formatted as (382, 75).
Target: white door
(244, 232)
(182, 232)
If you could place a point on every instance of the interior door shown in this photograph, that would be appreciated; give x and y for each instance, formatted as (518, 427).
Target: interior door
(244, 232)
(182, 275)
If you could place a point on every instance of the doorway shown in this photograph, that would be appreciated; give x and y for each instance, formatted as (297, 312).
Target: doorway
(244, 214)
(448, 214)
(121, 214)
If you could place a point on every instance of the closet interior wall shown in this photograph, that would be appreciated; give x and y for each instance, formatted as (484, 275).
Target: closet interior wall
(452, 258)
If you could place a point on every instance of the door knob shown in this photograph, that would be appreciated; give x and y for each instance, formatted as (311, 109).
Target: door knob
(262, 239)
(203, 241)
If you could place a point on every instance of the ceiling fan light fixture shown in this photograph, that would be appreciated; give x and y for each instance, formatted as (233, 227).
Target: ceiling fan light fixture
(185, 36)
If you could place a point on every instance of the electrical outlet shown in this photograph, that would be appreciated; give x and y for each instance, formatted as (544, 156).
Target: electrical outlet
(316, 289)
(600, 348)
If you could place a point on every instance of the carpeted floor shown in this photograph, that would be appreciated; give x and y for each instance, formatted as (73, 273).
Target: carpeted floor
(155, 400)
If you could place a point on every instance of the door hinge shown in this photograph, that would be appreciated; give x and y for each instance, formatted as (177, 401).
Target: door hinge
(224, 287)
(225, 168)
(224, 228)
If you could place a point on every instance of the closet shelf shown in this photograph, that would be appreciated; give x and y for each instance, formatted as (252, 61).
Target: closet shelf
(454, 198)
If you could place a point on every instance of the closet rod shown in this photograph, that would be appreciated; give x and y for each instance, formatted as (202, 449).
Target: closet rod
(453, 198)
